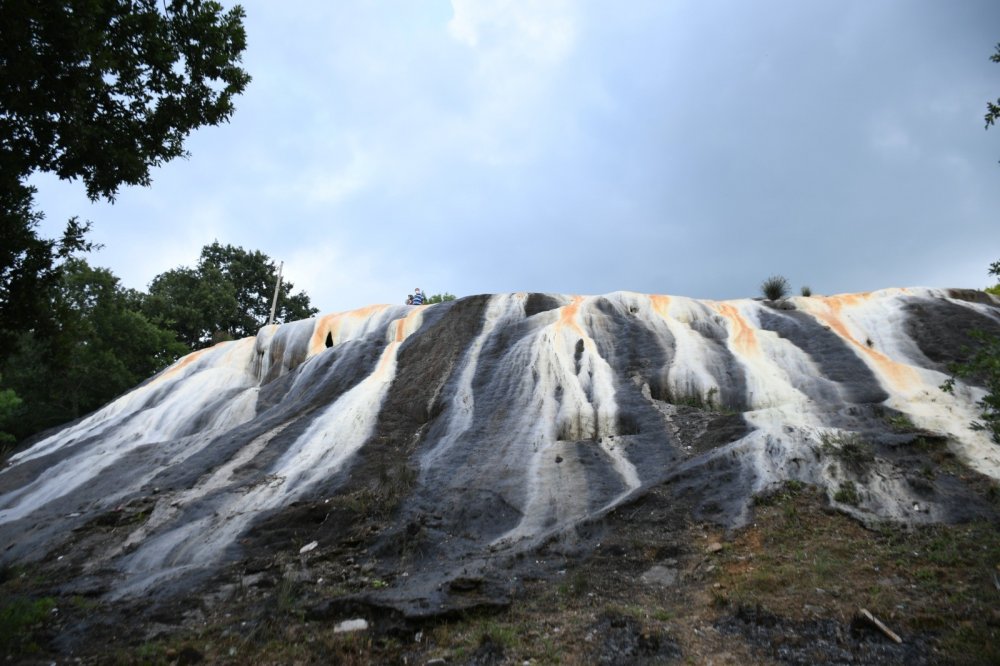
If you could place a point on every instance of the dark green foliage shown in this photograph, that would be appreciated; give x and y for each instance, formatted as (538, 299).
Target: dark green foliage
(29, 266)
(850, 448)
(104, 91)
(847, 494)
(984, 367)
(103, 347)
(440, 298)
(228, 296)
(21, 620)
(806, 291)
(994, 270)
(993, 109)
(9, 404)
(774, 288)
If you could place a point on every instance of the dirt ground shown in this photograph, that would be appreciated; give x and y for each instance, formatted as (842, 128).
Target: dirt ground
(788, 588)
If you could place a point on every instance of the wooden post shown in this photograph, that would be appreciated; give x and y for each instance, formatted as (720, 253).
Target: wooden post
(277, 288)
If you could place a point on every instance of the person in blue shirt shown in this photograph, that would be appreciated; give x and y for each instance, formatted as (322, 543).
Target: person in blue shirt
(418, 297)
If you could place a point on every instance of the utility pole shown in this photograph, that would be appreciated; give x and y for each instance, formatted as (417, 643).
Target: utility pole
(277, 288)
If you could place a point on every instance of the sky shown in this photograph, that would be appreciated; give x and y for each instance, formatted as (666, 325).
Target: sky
(676, 147)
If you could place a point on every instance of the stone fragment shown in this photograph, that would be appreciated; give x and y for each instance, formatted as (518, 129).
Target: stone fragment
(660, 575)
(357, 624)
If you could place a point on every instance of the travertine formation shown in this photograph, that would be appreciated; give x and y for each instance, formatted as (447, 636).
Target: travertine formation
(518, 418)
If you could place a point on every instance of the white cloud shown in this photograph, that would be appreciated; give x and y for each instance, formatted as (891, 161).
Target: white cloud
(891, 139)
(333, 186)
(542, 31)
(517, 49)
(338, 278)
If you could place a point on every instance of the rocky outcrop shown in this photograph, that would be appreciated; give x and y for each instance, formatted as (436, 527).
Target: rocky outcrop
(446, 442)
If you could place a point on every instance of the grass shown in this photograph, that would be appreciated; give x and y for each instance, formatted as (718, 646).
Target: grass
(850, 448)
(710, 401)
(22, 622)
(847, 493)
(900, 422)
(796, 559)
(935, 579)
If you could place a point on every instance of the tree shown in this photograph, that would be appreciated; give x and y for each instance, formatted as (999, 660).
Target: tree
(440, 298)
(9, 403)
(228, 296)
(29, 267)
(993, 108)
(100, 91)
(103, 347)
(103, 91)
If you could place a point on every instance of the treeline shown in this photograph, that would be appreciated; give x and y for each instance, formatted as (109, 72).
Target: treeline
(102, 93)
(98, 338)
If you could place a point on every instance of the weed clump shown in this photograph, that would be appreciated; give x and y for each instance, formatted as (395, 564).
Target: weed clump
(847, 494)
(848, 447)
(774, 288)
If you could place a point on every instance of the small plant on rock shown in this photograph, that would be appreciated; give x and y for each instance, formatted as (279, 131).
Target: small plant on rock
(806, 291)
(984, 365)
(774, 288)
(847, 494)
(850, 448)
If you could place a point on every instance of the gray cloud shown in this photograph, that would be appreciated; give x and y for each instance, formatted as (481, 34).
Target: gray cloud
(578, 147)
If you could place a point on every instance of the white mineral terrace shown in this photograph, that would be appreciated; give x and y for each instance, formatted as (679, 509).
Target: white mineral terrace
(558, 391)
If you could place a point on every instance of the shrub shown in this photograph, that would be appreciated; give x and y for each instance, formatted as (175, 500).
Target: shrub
(774, 287)
(850, 448)
(985, 366)
(440, 298)
(847, 494)
(806, 291)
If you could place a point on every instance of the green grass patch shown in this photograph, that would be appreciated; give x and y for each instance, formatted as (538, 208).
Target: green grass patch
(847, 493)
(850, 448)
(22, 622)
(937, 580)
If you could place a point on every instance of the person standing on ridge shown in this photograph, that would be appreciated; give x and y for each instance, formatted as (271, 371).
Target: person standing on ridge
(418, 297)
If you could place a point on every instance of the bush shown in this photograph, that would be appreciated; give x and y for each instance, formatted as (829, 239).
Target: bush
(985, 366)
(806, 291)
(440, 298)
(774, 288)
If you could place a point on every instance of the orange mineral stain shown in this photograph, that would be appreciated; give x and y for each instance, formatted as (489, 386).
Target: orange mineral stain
(568, 315)
(180, 365)
(743, 335)
(330, 325)
(661, 304)
(901, 376)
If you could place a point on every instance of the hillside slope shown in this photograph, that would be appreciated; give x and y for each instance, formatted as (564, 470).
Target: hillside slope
(443, 448)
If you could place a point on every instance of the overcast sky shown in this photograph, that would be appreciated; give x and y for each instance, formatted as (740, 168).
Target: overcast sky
(682, 147)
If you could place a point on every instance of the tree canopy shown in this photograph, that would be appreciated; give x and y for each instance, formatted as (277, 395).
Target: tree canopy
(440, 298)
(104, 92)
(227, 296)
(993, 108)
(102, 347)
